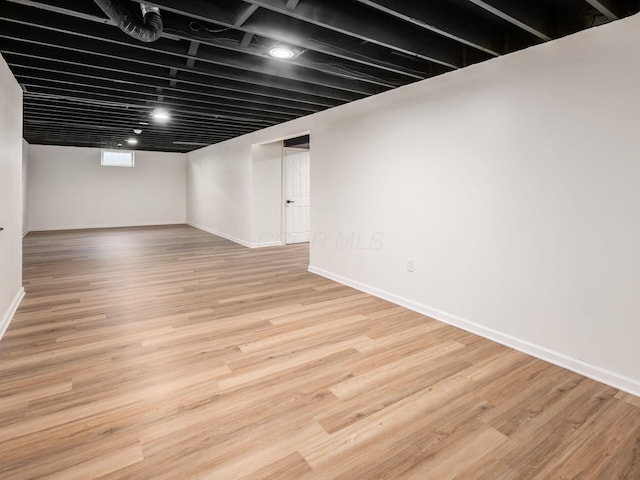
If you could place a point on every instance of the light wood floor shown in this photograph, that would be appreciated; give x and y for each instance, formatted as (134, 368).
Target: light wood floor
(169, 353)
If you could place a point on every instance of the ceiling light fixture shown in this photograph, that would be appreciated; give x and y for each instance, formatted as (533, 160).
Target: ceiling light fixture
(132, 141)
(160, 115)
(281, 52)
(137, 131)
(143, 123)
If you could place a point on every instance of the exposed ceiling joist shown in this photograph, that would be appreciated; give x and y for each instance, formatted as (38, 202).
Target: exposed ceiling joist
(124, 97)
(337, 47)
(605, 7)
(192, 52)
(45, 105)
(87, 83)
(243, 15)
(292, 4)
(118, 60)
(246, 40)
(84, 76)
(59, 27)
(115, 97)
(523, 15)
(443, 20)
(279, 29)
(375, 30)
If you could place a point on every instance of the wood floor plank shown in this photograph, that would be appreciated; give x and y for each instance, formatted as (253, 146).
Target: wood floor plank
(460, 459)
(630, 399)
(420, 361)
(170, 353)
(611, 453)
(99, 466)
(19, 398)
(291, 467)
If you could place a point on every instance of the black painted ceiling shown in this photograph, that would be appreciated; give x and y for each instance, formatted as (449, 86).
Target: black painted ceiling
(87, 83)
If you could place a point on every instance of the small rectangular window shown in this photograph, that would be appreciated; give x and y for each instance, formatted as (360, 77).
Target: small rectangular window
(117, 158)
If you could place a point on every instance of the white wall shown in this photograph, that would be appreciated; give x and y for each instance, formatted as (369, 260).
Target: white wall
(69, 189)
(513, 185)
(11, 291)
(267, 194)
(514, 188)
(219, 194)
(25, 176)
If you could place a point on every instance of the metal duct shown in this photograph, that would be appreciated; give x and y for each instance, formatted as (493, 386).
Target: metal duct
(149, 30)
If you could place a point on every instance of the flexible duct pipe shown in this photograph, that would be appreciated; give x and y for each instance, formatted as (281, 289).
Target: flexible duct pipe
(149, 30)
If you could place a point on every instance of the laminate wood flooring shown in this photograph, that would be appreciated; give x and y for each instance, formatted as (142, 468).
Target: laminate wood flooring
(169, 353)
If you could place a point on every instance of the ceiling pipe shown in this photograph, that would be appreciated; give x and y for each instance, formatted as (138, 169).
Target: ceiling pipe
(147, 30)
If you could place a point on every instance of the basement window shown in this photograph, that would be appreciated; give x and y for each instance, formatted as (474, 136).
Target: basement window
(117, 158)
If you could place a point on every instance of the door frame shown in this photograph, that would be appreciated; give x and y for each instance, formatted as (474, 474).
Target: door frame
(283, 227)
(283, 232)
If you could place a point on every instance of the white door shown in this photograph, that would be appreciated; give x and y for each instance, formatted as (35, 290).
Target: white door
(296, 196)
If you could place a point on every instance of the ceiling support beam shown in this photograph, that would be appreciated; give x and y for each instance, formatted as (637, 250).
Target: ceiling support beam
(193, 51)
(86, 76)
(337, 47)
(118, 71)
(62, 10)
(419, 44)
(317, 39)
(210, 11)
(243, 14)
(172, 73)
(118, 97)
(183, 115)
(40, 118)
(520, 14)
(246, 40)
(443, 20)
(605, 7)
(45, 105)
(61, 29)
(292, 4)
(155, 66)
(75, 83)
(36, 114)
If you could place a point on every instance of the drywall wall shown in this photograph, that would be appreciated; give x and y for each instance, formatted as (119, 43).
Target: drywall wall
(511, 185)
(267, 194)
(69, 189)
(219, 198)
(25, 189)
(11, 291)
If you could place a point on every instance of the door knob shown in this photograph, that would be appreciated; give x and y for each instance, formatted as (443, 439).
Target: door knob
(290, 201)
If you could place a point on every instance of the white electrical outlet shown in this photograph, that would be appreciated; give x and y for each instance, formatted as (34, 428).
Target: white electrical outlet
(410, 265)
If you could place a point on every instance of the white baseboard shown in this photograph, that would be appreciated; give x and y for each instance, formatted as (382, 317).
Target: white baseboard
(220, 234)
(235, 239)
(98, 226)
(11, 311)
(267, 244)
(594, 372)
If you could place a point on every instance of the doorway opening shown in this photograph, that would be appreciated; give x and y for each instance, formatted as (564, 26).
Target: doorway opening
(280, 191)
(296, 176)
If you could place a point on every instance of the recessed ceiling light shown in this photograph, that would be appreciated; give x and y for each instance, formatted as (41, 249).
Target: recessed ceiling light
(143, 123)
(281, 52)
(119, 144)
(137, 131)
(132, 141)
(160, 115)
